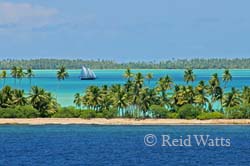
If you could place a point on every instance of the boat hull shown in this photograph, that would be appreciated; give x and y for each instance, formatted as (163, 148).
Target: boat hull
(82, 78)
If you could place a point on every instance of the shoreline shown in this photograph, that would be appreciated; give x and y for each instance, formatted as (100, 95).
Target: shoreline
(117, 121)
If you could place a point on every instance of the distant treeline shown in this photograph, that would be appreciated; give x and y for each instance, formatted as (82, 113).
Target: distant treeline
(214, 63)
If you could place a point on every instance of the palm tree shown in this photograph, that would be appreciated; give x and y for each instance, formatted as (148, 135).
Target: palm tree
(120, 100)
(29, 73)
(164, 84)
(217, 95)
(105, 100)
(189, 75)
(14, 72)
(128, 74)
(115, 88)
(78, 100)
(226, 77)
(3, 76)
(137, 85)
(189, 94)
(19, 98)
(62, 74)
(144, 101)
(232, 98)
(128, 85)
(92, 97)
(139, 80)
(214, 89)
(41, 100)
(147, 97)
(179, 98)
(246, 95)
(6, 97)
(149, 77)
(201, 97)
(7, 91)
(20, 74)
(214, 81)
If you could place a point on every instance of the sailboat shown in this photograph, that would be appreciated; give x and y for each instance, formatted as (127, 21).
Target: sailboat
(87, 74)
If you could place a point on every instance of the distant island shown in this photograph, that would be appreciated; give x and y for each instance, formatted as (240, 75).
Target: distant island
(215, 63)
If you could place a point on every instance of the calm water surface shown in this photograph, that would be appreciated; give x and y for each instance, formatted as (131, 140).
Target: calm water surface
(66, 89)
(117, 145)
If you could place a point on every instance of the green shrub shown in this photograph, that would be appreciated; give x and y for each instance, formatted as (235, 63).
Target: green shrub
(99, 115)
(246, 111)
(189, 111)
(236, 112)
(112, 113)
(87, 114)
(67, 112)
(19, 112)
(172, 115)
(158, 111)
(210, 115)
(8, 113)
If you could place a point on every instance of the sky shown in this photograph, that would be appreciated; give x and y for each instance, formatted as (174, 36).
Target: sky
(124, 30)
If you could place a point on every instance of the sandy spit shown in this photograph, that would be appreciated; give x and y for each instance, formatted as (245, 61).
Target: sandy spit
(119, 121)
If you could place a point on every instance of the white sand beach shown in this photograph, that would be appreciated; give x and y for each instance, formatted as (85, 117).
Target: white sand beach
(117, 121)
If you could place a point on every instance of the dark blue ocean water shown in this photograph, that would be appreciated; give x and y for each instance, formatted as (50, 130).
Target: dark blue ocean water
(118, 145)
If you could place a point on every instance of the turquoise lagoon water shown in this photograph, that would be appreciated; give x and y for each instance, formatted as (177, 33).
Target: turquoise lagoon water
(65, 90)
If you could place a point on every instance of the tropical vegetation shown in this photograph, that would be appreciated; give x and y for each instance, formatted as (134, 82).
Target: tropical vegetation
(198, 63)
(136, 98)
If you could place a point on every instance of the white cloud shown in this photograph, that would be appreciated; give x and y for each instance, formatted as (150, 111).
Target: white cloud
(25, 15)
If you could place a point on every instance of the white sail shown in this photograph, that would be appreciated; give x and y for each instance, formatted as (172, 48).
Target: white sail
(87, 73)
(93, 74)
(84, 72)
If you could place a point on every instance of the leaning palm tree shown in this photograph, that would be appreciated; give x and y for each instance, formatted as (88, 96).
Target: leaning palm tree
(14, 71)
(246, 95)
(20, 74)
(149, 77)
(6, 96)
(137, 86)
(120, 100)
(78, 100)
(217, 95)
(29, 74)
(139, 80)
(201, 97)
(232, 98)
(128, 74)
(37, 96)
(62, 74)
(4, 76)
(146, 98)
(19, 98)
(226, 77)
(41, 100)
(189, 75)
(179, 98)
(92, 98)
(164, 84)
(214, 81)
